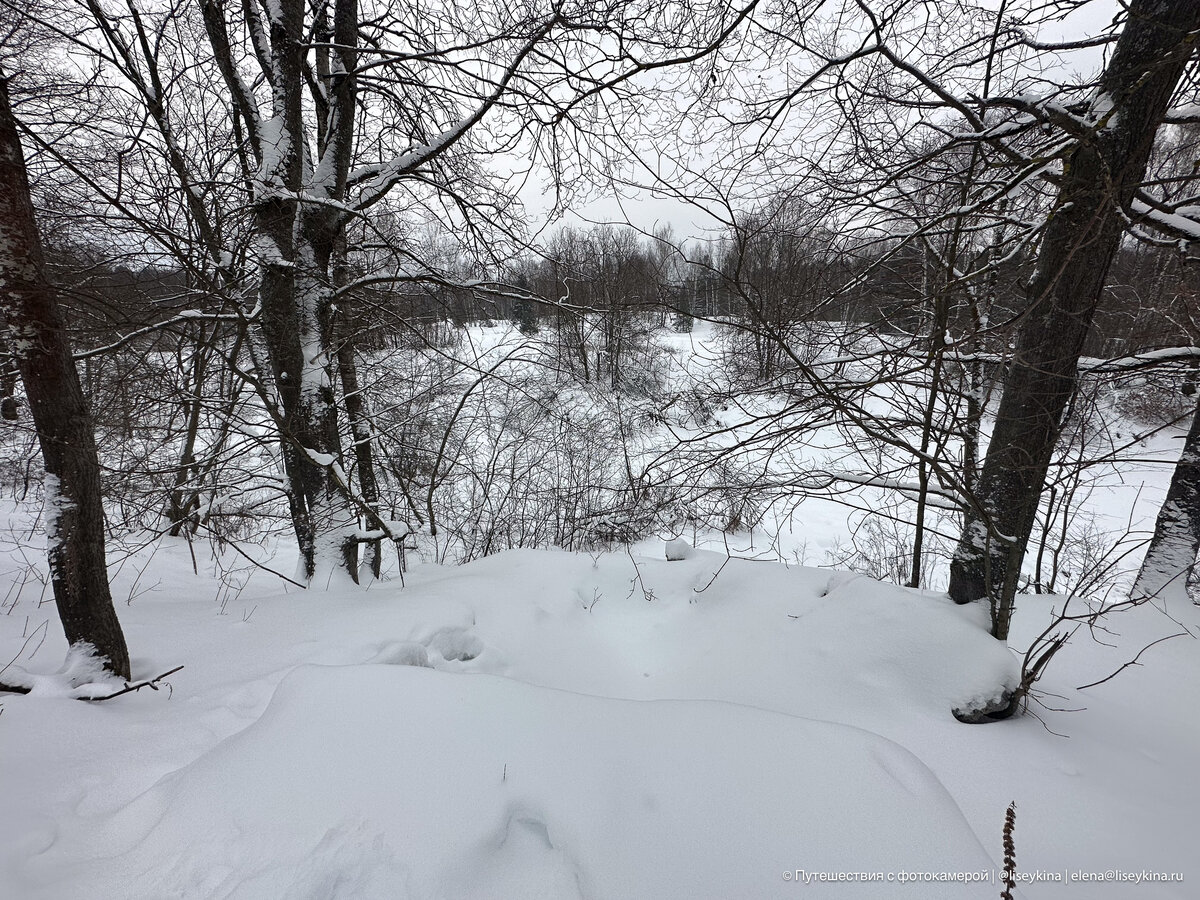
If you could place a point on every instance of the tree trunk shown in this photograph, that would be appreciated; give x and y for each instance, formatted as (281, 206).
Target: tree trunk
(1081, 238)
(299, 216)
(8, 385)
(36, 334)
(320, 235)
(357, 417)
(332, 518)
(1171, 555)
(182, 504)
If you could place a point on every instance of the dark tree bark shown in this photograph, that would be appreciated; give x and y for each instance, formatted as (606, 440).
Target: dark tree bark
(1099, 179)
(8, 387)
(182, 504)
(36, 336)
(1171, 555)
(357, 416)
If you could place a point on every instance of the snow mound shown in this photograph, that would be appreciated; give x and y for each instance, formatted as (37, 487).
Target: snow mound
(678, 550)
(398, 781)
(792, 640)
(82, 675)
(455, 644)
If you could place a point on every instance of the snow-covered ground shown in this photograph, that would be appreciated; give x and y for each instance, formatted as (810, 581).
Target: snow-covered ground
(610, 725)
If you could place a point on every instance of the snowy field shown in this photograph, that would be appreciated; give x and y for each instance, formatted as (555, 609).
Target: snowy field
(603, 725)
(610, 725)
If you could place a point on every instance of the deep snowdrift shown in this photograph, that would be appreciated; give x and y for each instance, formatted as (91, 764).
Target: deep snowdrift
(541, 724)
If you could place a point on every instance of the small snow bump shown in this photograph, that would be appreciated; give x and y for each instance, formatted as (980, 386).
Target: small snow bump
(403, 653)
(455, 644)
(679, 549)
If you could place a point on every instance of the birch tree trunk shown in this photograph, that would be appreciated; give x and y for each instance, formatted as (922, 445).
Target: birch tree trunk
(298, 217)
(1171, 556)
(321, 224)
(36, 336)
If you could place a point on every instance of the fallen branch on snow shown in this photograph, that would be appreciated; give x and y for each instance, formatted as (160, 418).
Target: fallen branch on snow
(130, 687)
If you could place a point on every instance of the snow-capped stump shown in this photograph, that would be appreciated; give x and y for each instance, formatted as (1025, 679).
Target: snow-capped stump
(679, 549)
(995, 709)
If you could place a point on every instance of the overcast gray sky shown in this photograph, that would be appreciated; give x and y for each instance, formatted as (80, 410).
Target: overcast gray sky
(1090, 19)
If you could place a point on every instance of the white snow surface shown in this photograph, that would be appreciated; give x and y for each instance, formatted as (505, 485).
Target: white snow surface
(544, 724)
(679, 549)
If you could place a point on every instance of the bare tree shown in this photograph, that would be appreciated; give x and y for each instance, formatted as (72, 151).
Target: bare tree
(1056, 171)
(35, 335)
(1103, 170)
(342, 116)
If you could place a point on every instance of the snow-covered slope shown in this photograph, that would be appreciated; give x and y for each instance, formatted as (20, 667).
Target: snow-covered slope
(542, 724)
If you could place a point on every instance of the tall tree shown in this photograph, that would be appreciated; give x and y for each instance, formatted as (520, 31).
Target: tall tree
(35, 333)
(346, 115)
(1101, 174)
(1171, 557)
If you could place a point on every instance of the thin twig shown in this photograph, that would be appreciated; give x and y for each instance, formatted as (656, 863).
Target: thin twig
(44, 627)
(151, 683)
(1134, 661)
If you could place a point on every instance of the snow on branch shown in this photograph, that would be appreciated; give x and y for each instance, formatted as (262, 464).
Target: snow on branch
(131, 687)
(486, 288)
(1183, 115)
(394, 531)
(942, 499)
(1146, 360)
(189, 316)
(1182, 222)
(1078, 121)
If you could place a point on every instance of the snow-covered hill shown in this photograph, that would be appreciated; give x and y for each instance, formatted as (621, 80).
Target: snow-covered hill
(544, 724)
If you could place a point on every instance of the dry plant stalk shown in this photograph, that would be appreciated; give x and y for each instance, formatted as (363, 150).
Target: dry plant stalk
(1010, 852)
